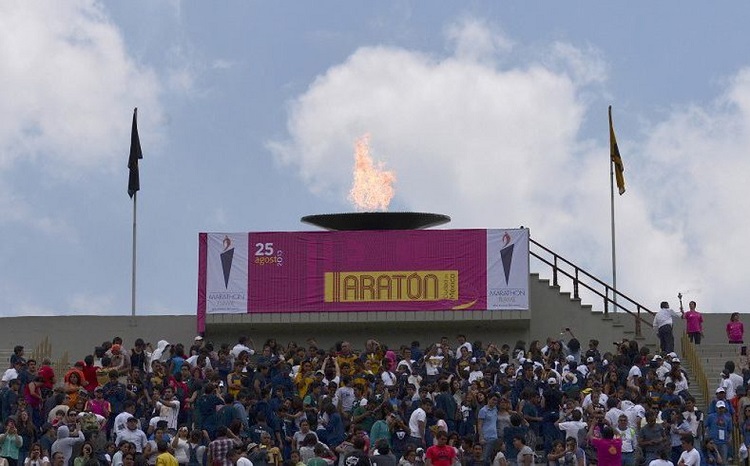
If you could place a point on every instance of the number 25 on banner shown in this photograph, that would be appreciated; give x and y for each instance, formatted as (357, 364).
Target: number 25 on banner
(264, 249)
(265, 254)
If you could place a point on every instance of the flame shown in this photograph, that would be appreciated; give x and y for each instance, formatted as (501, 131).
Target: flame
(373, 186)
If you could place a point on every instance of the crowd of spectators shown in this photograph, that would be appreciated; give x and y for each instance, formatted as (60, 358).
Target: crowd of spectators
(449, 402)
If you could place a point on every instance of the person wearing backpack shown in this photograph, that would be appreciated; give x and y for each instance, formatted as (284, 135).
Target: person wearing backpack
(197, 451)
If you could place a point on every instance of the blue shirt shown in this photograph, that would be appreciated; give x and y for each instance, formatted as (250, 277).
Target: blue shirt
(719, 427)
(489, 422)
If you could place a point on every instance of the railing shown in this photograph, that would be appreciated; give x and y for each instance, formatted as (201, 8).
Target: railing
(690, 353)
(580, 277)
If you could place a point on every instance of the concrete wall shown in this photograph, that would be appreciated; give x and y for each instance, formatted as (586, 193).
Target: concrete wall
(78, 335)
(551, 312)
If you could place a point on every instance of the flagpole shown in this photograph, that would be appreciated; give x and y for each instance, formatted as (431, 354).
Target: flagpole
(134, 185)
(132, 284)
(615, 173)
(612, 210)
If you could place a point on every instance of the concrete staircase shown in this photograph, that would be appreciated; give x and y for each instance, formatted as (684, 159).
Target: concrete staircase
(585, 321)
(713, 356)
(701, 402)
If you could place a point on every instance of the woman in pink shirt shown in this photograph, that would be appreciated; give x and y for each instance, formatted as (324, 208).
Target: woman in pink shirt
(735, 329)
(694, 324)
(608, 448)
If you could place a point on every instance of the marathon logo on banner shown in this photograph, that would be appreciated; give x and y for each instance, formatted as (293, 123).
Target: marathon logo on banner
(227, 277)
(508, 269)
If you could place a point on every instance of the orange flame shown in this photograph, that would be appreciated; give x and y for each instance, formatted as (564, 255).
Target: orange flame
(373, 187)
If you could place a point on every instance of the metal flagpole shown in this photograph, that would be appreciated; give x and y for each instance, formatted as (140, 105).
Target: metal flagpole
(132, 285)
(612, 210)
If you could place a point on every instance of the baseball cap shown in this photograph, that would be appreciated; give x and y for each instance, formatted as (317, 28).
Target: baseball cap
(720, 390)
(198, 338)
(552, 380)
(720, 404)
(675, 360)
(589, 359)
(251, 445)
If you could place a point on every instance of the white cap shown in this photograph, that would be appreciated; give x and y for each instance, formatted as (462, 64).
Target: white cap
(672, 355)
(552, 380)
(720, 404)
(720, 390)
(675, 360)
(570, 358)
(589, 360)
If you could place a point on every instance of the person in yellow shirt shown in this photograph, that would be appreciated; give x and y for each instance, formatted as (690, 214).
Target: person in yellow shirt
(165, 458)
(304, 378)
(346, 355)
(235, 378)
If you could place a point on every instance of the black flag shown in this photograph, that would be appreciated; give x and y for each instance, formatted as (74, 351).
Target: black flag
(134, 182)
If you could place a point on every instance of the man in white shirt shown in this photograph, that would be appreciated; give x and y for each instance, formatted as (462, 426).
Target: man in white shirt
(629, 440)
(689, 456)
(663, 322)
(462, 343)
(418, 422)
(596, 390)
(168, 408)
(571, 428)
(121, 419)
(133, 434)
(240, 347)
(613, 414)
(734, 377)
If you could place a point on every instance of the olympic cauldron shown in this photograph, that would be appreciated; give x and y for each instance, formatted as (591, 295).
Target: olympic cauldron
(354, 221)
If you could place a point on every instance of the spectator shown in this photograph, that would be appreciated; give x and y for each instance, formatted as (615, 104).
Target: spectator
(689, 455)
(719, 429)
(735, 329)
(608, 448)
(65, 442)
(693, 323)
(663, 322)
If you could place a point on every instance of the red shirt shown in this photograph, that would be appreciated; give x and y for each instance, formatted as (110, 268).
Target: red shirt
(48, 374)
(441, 455)
(89, 373)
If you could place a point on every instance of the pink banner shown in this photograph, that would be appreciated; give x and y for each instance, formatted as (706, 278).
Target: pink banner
(395, 270)
(367, 271)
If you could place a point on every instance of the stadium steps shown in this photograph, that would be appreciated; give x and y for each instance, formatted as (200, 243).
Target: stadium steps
(713, 357)
(606, 328)
(700, 401)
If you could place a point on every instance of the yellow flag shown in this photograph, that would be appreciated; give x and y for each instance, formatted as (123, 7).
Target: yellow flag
(614, 154)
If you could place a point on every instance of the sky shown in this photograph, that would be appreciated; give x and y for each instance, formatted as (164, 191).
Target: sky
(494, 113)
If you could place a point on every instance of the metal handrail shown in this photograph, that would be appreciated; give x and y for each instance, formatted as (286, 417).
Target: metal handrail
(690, 353)
(607, 299)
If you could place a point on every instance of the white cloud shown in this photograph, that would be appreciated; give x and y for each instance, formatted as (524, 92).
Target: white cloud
(502, 147)
(473, 40)
(68, 86)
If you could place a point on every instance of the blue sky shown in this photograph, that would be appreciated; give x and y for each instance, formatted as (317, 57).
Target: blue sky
(491, 112)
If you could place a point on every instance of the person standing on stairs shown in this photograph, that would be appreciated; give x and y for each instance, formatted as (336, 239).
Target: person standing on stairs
(735, 329)
(693, 323)
(663, 321)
